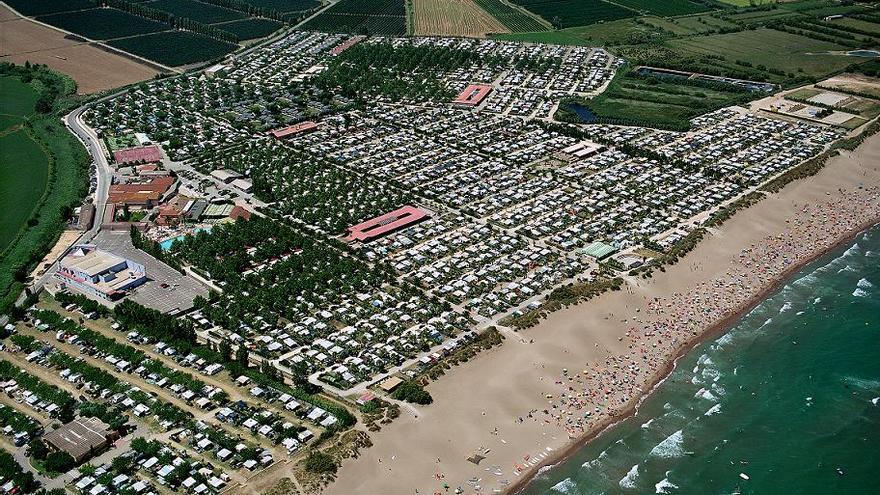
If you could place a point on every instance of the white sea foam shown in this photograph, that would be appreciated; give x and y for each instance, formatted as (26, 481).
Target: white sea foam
(664, 485)
(629, 481)
(713, 410)
(696, 381)
(847, 268)
(860, 292)
(706, 360)
(817, 300)
(725, 339)
(805, 280)
(766, 322)
(864, 284)
(863, 383)
(799, 313)
(706, 394)
(595, 462)
(852, 250)
(718, 390)
(871, 254)
(565, 486)
(647, 424)
(670, 447)
(875, 401)
(785, 307)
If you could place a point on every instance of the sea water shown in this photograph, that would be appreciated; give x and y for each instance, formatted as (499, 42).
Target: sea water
(786, 402)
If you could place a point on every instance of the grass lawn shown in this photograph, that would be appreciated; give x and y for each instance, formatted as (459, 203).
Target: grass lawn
(24, 171)
(770, 48)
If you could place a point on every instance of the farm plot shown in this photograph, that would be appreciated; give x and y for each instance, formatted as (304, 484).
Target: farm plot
(197, 11)
(40, 7)
(769, 48)
(356, 16)
(568, 13)
(174, 48)
(103, 24)
(664, 8)
(24, 166)
(248, 29)
(453, 18)
(512, 18)
(286, 5)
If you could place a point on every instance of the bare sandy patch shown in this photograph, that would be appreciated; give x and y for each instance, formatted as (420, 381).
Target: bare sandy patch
(93, 69)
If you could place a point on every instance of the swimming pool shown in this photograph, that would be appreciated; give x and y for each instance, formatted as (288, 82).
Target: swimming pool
(166, 244)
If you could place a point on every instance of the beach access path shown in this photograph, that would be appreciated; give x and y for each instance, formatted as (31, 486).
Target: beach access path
(503, 384)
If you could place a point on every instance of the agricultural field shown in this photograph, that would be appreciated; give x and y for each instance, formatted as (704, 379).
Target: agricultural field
(92, 68)
(359, 17)
(24, 166)
(34, 189)
(513, 19)
(286, 5)
(453, 18)
(197, 11)
(568, 13)
(103, 24)
(248, 29)
(40, 7)
(664, 8)
(659, 103)
(174, 48)
(772, 49)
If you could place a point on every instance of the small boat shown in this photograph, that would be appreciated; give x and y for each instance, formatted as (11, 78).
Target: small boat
(744, 476)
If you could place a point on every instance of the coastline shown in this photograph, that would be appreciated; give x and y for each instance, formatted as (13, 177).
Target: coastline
(482, 404)
(715, 330)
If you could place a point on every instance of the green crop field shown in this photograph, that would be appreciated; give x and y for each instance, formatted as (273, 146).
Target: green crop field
(248, 29)
(286, 5)
(103, 24)
(665, 104)
(568, 13)
(24, 170)
(174, 48)
(24, 167)
(40, 7)
(665, 7)
(512, 18)
(769, 48)
(43, 171)
(197, 11)
(362, 17)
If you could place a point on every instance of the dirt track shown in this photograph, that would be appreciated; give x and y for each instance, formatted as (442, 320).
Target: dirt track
(92, 68)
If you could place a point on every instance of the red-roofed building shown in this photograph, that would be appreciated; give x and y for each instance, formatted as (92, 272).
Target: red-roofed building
(345, 45)
(293, 130)
(139, 154)
(239, 212)
(144, 194)
(386, 224)
(473, 95)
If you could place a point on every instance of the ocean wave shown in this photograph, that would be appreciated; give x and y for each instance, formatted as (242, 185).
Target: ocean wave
(706, 394)
(595, 462)
(875, 401)
(664, 485)
(565, 486)
(817, 300)
(785, 307)
(847, 268)
(670, 447)
(719, 390)
(713, 410)
(647, 424)
(705, 360)
(724, 339)
(871, 254)
(805, 280)
(864, 284)
(862, 383)
(799, 313)
(860, 292)
(711, 374)
(629, 481)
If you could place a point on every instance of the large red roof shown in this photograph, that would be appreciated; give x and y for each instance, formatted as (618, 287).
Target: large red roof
(293, 130)
(473, 95)
(384, 224)
(138, 154)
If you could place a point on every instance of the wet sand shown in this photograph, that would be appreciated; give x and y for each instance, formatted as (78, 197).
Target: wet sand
(524, 405)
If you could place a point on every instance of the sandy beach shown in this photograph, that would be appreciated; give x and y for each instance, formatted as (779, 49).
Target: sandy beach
(548, 389)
